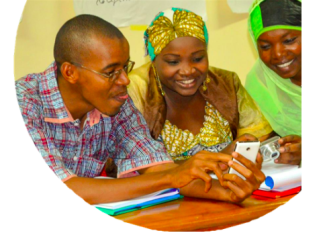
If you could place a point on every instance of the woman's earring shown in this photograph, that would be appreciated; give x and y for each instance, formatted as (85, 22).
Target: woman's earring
(158, 80)
(207, 80)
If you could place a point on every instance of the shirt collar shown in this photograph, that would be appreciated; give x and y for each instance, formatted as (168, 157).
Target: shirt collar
(54, 109)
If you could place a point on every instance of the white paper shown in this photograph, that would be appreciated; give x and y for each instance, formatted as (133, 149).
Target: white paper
(122, 13)
(270, 168)
(284, 176)
(138, 200)
(240, 6)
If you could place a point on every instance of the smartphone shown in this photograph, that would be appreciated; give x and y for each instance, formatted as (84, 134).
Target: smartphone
(247, 149)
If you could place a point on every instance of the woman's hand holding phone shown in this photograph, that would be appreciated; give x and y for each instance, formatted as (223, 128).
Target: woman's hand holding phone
(231, 147)
(245, 173)
(240, 189)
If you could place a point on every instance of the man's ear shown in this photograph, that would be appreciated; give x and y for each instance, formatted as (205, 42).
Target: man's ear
(69, 72)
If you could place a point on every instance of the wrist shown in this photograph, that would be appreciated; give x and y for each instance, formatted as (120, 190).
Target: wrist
(221, 193)
(167, 179)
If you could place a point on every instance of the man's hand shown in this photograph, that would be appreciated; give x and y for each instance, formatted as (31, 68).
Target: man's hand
(197, 168)
(110, 168)
(290, 149)
(240, 189)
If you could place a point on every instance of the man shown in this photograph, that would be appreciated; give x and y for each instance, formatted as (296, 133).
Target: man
(78, 114)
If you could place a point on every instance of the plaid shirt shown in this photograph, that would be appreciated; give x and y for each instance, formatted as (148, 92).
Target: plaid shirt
(70, 152)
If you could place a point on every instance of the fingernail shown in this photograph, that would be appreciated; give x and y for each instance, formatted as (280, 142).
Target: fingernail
(234, 154)
(230, 163)
(276, 161)
(281, 150)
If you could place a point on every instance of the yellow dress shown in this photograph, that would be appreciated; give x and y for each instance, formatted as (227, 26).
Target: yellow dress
(181, 144)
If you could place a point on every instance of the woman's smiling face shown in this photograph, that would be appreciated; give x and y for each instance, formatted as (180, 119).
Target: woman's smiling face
(182, 65)
(280, 50)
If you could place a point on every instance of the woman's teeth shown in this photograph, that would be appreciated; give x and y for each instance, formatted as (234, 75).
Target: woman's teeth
(187, 81)
(285, 64)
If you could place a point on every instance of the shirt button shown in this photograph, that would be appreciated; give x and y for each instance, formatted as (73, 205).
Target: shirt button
(75, 158)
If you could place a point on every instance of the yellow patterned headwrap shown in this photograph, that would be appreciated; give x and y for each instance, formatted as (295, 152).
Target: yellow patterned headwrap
(171, 24)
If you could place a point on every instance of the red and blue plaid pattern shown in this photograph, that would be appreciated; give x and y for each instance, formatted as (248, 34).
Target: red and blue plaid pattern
(70, 152)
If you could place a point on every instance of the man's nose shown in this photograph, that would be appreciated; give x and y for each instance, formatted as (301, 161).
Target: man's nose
(122, 79)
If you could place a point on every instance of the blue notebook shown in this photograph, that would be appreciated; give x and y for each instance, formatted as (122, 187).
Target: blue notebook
(143, 205)
(155, 198)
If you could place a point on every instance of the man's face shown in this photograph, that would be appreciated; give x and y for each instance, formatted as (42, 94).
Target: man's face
(105, 55)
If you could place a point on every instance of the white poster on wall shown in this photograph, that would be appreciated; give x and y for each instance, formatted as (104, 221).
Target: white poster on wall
(240, 6)
(124, 13)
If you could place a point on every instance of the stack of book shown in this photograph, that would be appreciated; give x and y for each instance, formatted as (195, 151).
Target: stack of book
(281, 180)
(121, 207)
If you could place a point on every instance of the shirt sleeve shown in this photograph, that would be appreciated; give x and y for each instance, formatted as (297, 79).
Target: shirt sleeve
(134, 147)
(251, 119)
(43, 140)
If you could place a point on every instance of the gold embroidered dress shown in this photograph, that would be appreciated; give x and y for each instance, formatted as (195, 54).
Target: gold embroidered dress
(182, 144)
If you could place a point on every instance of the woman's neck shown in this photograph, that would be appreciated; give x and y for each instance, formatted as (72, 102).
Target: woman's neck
(186, 112)
(176, 101)
(296, 80)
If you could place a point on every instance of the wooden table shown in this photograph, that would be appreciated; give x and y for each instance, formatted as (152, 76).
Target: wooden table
(193, 214)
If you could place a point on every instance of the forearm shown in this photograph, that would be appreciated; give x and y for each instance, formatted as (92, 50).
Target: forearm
(196, 189)
(96, 191)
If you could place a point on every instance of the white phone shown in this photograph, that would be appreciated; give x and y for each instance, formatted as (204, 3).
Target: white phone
(247, 149)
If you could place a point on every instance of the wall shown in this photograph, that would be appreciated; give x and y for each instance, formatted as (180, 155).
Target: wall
(229, 46)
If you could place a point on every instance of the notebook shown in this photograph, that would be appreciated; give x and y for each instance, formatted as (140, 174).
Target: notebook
(116, 208)
(280, 177)
(276, 194)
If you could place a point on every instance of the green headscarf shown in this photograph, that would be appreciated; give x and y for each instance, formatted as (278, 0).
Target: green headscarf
(279, 99)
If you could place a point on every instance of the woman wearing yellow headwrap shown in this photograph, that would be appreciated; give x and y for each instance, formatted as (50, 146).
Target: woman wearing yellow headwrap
(188, 105)
(275, 80)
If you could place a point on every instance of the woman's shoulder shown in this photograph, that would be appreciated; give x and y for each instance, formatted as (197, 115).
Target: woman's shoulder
(139, 78)
(142, 71)
(226, 76)
(139, 81)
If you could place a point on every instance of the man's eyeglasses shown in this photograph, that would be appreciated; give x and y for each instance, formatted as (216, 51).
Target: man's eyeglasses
(112, 76)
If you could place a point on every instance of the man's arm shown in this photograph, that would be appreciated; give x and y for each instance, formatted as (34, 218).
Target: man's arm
(99, 190)
(43, 140)
(229, 187)
(196, 188)
(152, 179)
(96, 191)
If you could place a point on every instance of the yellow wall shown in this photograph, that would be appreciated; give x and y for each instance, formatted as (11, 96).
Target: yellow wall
(229, 44)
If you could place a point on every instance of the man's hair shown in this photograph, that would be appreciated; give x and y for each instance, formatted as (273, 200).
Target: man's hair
(74, 36)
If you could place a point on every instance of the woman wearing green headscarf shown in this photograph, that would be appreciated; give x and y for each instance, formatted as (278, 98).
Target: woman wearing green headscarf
(275, 80)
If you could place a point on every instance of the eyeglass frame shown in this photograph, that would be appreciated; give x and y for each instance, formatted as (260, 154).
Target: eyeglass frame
(113, 76)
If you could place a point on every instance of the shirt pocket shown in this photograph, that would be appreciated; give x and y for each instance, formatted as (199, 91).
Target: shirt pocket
(90, 167)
